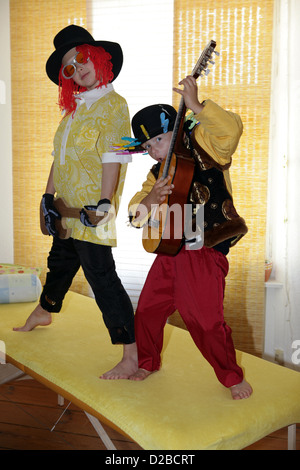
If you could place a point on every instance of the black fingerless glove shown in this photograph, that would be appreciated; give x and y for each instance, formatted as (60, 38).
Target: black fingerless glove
(102, 208)
(50, 213)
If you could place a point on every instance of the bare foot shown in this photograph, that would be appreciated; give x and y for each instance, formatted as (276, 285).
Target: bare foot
(126, 367)
(141, 374)
(39, 317)
(241, 391)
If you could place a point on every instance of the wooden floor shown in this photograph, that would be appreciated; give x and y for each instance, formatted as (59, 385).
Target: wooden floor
(28, 411)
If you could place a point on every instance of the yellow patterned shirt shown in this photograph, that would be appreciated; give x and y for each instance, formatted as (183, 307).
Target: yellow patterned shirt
(82, 144)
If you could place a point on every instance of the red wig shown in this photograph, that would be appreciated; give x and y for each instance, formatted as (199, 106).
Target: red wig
(68, 89)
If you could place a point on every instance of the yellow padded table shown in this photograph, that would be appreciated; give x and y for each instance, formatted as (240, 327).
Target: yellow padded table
(181, 407)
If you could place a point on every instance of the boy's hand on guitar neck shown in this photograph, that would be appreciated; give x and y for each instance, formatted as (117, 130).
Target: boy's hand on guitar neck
(190, 94)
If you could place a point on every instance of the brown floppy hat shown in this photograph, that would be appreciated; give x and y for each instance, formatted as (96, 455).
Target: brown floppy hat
(73, 36)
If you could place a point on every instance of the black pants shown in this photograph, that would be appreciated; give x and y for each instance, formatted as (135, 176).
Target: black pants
(65, 258)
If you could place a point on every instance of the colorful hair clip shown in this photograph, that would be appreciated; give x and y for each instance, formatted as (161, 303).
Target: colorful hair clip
(192, 121)
(132, 142)
(164, 123)
(145, 132)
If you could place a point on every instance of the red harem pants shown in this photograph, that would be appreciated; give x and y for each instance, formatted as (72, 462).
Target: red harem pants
(193, 282)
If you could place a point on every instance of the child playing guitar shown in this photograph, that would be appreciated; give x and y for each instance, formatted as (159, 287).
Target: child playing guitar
(193, 279)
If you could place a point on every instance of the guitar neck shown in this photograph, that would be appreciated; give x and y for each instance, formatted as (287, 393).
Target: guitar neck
(200, 66)
(179, 117)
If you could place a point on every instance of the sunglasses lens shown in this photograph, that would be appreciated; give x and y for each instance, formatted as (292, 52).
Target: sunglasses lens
(80, 58)
(68, 71)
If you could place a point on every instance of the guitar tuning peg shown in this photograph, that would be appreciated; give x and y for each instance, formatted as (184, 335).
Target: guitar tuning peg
(216, 52)
(211, 62)
(207, 71)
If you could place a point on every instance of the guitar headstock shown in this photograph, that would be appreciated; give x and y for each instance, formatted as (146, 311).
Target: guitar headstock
(199, 68)
(205, 59)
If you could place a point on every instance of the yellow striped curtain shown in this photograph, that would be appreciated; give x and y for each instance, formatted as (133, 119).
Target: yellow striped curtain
(35, 115)
(239, 81)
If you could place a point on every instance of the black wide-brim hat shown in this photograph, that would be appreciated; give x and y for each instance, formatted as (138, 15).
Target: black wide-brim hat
(73, 36)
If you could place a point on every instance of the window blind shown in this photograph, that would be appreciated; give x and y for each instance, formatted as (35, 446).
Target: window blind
(239, 81)
(35, 117)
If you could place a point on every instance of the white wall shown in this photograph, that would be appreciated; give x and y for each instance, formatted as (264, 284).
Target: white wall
(6, 205)
(283, 300)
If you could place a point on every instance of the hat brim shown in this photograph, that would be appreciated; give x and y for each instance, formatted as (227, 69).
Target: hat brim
(53, 64)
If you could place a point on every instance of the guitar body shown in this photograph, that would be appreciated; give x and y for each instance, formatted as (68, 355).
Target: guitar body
(165, 229)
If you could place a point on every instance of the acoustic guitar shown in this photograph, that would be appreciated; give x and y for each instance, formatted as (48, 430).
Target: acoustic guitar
(165, 228)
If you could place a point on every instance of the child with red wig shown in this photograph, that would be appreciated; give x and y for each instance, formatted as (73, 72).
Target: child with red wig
(69, 88)
(87, 174)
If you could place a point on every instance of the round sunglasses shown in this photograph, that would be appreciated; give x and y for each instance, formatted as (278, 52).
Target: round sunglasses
(69, 70)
